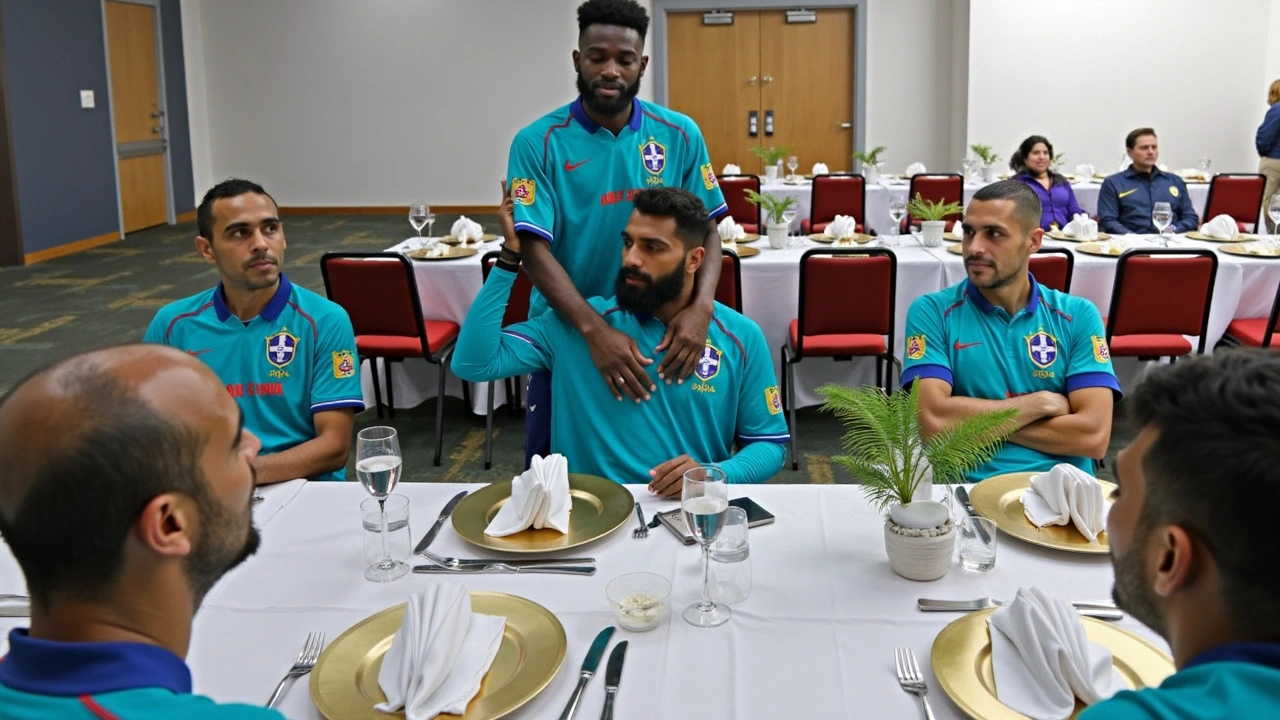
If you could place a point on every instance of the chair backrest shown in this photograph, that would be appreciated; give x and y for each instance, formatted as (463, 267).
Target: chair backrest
(378, 291)
(1238, 195)
(734, 188)
(838, 195)
(846, 291)
(1053, 267)
(729, 289)
(1163, 292)
(939, 187)
(518, 301)
(1273, 322)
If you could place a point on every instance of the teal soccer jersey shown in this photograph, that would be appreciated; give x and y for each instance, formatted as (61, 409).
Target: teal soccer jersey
(1057, 343)
(572, 183)
(731, 396)
(296, 359)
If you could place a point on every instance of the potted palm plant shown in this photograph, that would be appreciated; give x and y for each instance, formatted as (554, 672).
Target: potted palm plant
(898, 467)
(988, 158)
(870, 162)
(772, 157)
(932, 216)
(774, 208)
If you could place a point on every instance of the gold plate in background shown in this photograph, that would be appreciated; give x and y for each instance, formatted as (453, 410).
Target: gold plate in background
(1238, 249)
(961, 659)
(741, 250)
(1095, 248)
(749, 238)
(1059, 235)
(453, 254)
(600, 506)
(451, 240)
(955, 249)
(344, 682)
(951, 236)
(999, 498)
(858, 239)
(1197, 235)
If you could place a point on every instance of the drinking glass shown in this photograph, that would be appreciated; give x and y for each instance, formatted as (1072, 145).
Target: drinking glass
(793, 162)
(378, 465)
(897, 211)
(1205, 162)
(1273, 212)
(1162, 217)
(788, 217)
(731, 560)
(977, 550)
(704, 500)
(386, 535)
(418, 217)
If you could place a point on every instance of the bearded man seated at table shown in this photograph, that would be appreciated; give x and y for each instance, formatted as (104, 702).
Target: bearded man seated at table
(999, 340)
(732, 395)
(1192, 537)
(125, 495)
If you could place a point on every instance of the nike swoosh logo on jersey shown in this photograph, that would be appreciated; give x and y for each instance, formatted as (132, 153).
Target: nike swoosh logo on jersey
(194, 353)
(961, 346)
(570, 167)
(1127, 192)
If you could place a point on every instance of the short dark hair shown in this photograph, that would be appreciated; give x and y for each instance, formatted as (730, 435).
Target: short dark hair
(1131, 139)
(1214, 469)
(68, 533)
(1026, 206)
(623, 13)
(685, 207)
(229, 188)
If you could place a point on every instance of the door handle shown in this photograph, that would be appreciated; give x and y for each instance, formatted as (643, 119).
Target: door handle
(752, 81)
(155, 129)
(768, 123)
(753, 124)
(846, 126)
(768, 78)
(157, 114)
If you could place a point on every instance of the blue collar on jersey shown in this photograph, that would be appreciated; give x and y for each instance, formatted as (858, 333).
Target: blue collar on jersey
(1033, 304)
(1257, 653)
(68, 669)
(580, 114)
(269, 313)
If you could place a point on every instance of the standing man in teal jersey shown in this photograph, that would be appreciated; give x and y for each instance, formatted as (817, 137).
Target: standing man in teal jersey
(573, 174)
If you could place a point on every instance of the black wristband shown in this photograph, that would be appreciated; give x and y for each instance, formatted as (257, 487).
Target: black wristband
(502, 264)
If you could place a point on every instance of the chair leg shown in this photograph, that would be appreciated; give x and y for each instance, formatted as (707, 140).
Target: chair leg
(789, 373)
(879, 372)
(444, 369)
(391, 402)
(488, 430)
(466, 394)
(377, 385)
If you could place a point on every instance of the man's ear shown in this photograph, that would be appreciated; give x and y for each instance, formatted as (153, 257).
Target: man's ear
(694, 259)
(167, 524)
(1037, 239)
(204, 246)
(577, 61)
(1179, 560)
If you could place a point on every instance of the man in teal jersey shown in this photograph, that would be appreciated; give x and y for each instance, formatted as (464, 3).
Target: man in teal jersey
(1000, 340)
(287, 355)
(732, 396)
(125, 496)
(573, 174)
(1192, 537)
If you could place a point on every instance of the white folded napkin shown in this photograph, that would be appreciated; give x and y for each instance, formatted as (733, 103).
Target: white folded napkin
(1222, 227)
(1082, 226)
(731, 169)
(730, 231)
(820, 169)
(466, 230)
(1260, 247)
(1042, 659)
(1084, 172)
(957, 228)
(843, 226)
(1066, 494)
(915, 168)
(439, 655)
(539, 499)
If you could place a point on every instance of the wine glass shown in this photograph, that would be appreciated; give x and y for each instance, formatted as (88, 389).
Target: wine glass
(418, 217)
(1205, 162)
(1162, 217)
(704, 501)
(793, 162)
(378, 465)
(897, 211)
(1273, 212)
(788, 217)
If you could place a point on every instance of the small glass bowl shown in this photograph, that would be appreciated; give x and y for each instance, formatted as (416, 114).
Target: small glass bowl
(640, 600)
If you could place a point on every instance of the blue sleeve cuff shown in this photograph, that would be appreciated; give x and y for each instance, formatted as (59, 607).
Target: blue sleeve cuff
(781, 438)
(720, 211)
(531, 228)
(932, 370)
(1094, 379)
(355, 403)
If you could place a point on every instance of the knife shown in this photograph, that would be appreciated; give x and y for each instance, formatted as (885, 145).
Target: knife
(963, 496)
(1094, 610)
(444, 515)
(589, 666)
(612, 674)
(500, 568)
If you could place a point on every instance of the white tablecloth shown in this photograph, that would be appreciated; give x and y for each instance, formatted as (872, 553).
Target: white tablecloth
(814, 640)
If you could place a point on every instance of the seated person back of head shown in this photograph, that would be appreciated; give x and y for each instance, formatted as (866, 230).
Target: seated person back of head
(125, 496)
(731, 397)
(1192, 535)
(286, 354)
(1127, 198)
(999, 340)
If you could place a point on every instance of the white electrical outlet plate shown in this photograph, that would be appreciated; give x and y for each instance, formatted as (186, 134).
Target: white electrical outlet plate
(86, 99)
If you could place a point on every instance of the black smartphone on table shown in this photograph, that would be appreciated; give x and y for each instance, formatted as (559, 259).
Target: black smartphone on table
(756, 516)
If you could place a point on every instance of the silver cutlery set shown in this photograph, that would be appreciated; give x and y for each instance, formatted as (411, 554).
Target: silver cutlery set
(612, 674)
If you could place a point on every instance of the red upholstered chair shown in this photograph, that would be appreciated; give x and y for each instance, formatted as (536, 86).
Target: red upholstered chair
(742, 210)
(1256, 332)
(937, 187)
(835, 195)
(517, 312)
(729, 289)
(1238, 195)
(1053, 267)
(380, 294)
(846, 309)
(1160, 295)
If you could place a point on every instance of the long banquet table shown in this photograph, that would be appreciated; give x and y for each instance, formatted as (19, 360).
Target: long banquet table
(815, 639)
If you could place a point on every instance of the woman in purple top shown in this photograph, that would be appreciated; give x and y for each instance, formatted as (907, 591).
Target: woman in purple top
(1057, 200)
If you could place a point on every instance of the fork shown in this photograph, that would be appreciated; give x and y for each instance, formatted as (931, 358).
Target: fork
(641, 532)
(468, 563)
(910, 679)
(306, 660)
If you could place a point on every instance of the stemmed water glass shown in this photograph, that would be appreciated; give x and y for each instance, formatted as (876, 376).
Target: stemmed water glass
(378, 465)
(793, 162)
(788, 217)
(1273, 212)
(897, 211)
(418, 215)
(1205, 162)
(704, 501)
(1162, 217)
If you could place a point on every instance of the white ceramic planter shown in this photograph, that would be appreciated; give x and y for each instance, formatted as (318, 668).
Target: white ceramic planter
(988, 173)
(919, 558)
(931, 233)
(871, 173)
(778, 235)
(771, 172)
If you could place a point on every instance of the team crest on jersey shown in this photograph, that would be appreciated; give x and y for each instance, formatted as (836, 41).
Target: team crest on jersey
(773, 400)
(915, 347)
(1173, 191)
(709, 176)
(654, 156)
(522, 190)
(344, 364)
(281, 348)
(1042, 348)
(1101, 352)
(709, 364)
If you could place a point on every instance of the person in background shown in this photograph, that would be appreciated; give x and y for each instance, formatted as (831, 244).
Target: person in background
(1193, 561)
(1267, 142)
(1127, 198)
(1057, 199)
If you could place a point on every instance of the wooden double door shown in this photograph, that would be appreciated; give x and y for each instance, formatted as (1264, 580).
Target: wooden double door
(764, 81)
(139, 118)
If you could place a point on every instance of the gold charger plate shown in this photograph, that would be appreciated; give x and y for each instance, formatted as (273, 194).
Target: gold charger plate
(951, 236)
(1242, 237)
(1239, 249)
(344, 682)
(600, 506)
(451, 240)
(1095, 248)
(742, 250)
(828, 240)
(453, 254)
(1059, 235)
(955, 249)
(999, 498)
(749, 238)
(961, 658)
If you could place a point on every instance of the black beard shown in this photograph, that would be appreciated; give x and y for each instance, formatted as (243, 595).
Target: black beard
(645, 300)
(1132, 589)
(607, 108)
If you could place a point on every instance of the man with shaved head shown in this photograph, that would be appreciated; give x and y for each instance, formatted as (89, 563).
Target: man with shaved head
(126, 477)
